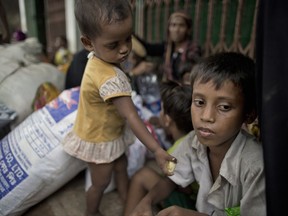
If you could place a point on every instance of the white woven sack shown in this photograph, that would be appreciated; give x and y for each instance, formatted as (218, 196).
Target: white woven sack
(19, 85)
(33, 164)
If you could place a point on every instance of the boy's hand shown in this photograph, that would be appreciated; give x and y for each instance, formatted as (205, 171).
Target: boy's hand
(177, 210)
(165, 161)
(142, 209)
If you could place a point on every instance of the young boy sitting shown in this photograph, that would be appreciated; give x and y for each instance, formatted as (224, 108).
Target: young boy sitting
(175, 119)
(226, 161)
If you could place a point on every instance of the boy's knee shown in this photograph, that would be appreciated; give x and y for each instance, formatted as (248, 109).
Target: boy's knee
(139, 176)
(136, 177)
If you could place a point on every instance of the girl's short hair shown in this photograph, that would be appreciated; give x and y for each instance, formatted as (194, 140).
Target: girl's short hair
(230, 66)
(176, 101)
(91, 15)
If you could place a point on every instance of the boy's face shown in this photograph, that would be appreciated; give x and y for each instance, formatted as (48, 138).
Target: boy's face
(217, 115)
(114, 44)
(164, 120)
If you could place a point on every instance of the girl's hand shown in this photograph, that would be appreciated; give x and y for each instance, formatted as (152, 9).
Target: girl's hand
(163, 160)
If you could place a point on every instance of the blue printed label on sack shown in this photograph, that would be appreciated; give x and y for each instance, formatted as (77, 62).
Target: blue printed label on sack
(11, 172)
(66, 103)
(40, 134)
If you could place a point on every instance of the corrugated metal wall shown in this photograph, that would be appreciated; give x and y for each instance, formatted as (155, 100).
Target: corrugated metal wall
(219, 25)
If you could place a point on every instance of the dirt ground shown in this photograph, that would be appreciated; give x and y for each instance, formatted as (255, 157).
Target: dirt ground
(70, 201)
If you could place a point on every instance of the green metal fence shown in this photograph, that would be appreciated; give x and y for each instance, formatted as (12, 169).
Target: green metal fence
(218, 25)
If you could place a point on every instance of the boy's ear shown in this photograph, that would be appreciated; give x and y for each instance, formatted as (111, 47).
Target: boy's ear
(167, 120)
(86, 43)
(250, 117)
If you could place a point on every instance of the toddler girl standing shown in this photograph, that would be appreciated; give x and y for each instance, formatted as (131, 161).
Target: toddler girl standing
(100, 136)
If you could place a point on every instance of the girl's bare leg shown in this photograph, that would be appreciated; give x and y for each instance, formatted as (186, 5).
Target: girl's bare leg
(121, 177)
(100, 178)
(141, 182)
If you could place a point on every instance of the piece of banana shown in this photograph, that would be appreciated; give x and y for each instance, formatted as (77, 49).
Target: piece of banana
(171, 166)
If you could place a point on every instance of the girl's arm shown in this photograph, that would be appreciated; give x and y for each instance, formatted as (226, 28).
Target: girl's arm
(127, 109)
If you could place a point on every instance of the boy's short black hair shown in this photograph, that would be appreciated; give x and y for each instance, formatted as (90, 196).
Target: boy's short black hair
(232, 66)
(176, 100)
(92, 14)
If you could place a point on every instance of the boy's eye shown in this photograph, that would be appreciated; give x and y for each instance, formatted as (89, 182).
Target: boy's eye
(224, 107)
(198, 102)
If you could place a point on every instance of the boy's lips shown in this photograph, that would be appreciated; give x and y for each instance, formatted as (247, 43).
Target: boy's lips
(205, 132)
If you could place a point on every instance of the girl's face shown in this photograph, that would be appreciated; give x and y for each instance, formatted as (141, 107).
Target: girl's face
(178, 29)
(114, 44)
(217, 115)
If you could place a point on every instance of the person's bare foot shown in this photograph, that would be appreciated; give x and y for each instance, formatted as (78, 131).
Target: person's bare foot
(93, 214)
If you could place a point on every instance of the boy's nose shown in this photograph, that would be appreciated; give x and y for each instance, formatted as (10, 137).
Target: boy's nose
(208, 115)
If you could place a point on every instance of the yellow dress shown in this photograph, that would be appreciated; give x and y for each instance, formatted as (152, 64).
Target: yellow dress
(100, 134)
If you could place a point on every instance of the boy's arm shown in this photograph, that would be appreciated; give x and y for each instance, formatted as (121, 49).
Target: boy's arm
(159, 192)
(127, 109)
